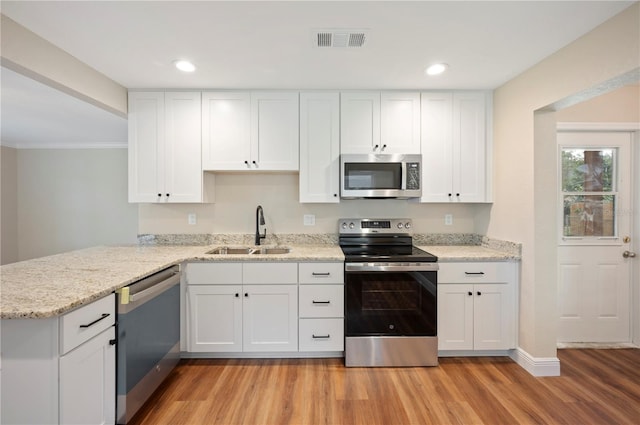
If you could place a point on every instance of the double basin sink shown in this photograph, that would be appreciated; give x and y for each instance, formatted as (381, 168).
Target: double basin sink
(224, 250)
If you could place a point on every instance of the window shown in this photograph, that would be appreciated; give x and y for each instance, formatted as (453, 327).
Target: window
(589, 192)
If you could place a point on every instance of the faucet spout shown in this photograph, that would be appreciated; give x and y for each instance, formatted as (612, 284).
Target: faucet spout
(260, 221)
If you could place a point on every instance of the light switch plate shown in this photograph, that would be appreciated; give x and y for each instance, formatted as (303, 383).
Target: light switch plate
(191, 218)
(309, 220)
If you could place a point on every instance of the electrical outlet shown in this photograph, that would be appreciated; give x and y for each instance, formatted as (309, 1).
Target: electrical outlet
(309, 220)
(448, 219)
(191, 218)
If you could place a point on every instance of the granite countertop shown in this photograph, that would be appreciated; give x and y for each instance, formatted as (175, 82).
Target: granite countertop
(51, 286)
(452, 253)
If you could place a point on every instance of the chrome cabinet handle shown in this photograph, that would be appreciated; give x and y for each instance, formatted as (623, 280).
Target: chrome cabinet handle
(321, 336)
(320, 274)
(88, 325)
(320, 302)
(628, 254)
(474, 273)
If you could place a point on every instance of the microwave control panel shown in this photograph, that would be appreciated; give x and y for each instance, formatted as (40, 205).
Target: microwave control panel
(413, 176)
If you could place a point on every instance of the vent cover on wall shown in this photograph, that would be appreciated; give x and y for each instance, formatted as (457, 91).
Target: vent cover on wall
(339, 38)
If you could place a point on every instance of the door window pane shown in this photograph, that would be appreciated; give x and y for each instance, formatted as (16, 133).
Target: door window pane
(587, 170)
(589, 215)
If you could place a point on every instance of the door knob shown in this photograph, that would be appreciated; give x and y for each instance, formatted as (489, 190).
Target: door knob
(628, 254)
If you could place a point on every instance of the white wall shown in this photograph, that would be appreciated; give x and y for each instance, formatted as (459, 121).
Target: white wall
(238, 195)
(523, 188)
(71, 199)
(8, 205)
(31, 55)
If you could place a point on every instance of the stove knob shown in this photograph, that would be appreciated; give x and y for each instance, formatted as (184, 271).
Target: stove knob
(407, 225)
(344, 224)
(352, 226)
(400, 225)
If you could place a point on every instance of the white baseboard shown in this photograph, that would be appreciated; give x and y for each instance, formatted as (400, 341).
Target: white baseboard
(536, 366)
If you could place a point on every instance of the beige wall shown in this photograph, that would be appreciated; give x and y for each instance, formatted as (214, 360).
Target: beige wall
(8, 205)
(238, 195)
(524, 160)
(621, 105)
(71, 199)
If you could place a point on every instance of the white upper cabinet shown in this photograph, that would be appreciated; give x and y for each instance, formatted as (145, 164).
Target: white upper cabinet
(319, 147)
(165, 147)
(400, 122)
(454, 147)
(380, 122)
(226, 133)
(255, 131)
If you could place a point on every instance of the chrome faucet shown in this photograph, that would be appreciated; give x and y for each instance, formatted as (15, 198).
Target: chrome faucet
(260, 221)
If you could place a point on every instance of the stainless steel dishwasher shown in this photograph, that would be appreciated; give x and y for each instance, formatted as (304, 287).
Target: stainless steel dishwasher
(148, 332)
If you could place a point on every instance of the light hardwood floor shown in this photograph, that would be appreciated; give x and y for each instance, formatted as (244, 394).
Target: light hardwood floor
(596, 387)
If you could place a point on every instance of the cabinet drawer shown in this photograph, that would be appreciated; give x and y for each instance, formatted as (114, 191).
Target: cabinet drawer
(321, 335)
(322, 301)
(321, 273)
(214, 273)
(86, 322)
(270, 273)
(470, 272)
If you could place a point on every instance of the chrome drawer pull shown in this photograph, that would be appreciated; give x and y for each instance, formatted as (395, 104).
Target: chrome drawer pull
(104, 316)
(320, 274)
(474, 273)
(320, 302)
(321, 336)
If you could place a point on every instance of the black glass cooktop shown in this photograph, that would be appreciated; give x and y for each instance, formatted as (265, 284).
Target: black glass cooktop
(408, 253)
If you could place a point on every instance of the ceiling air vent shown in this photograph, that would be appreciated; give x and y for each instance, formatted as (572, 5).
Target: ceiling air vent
(340, 38)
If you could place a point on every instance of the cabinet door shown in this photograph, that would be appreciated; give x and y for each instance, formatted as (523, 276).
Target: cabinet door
(88, 382)
(493, 320)
(360, 122)
(469, 143)
(226, 136)
(270, 317)
(274, 131)
(437, 146)
(146, 132)
(215, 318)
(319, 147)
(400, 122)
(455, 317)
(183, 147)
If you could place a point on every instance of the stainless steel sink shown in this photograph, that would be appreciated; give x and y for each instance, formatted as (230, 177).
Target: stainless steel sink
(225, 250)
(267, 251)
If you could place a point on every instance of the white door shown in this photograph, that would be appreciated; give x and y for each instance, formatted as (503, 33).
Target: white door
(594, 209)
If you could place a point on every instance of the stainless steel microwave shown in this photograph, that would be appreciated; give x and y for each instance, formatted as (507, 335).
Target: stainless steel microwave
(380, 176)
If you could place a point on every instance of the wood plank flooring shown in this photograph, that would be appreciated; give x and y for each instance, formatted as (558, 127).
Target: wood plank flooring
(596, 387)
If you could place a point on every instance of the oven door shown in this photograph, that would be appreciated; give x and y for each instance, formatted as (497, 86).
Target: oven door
(391, 300)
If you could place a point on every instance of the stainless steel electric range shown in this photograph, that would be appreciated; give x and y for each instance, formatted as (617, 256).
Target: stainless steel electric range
(390, 295)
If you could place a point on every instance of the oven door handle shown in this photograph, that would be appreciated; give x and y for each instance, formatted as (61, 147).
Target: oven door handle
(390, 267)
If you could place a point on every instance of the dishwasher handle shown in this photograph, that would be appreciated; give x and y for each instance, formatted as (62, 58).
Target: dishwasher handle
(136, 294)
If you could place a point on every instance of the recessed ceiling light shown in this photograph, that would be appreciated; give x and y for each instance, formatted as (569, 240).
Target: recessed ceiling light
(184, 66)
(436, 69)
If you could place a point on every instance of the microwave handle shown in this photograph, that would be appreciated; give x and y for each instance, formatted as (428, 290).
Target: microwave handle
(403, 176)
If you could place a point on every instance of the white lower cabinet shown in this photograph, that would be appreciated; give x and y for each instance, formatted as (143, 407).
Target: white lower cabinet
(265, 307)
(227, 315)
(477, 306)
(60, 369)
(321, 307)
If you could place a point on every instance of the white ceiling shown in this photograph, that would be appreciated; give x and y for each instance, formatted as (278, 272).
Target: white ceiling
(266, 44)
